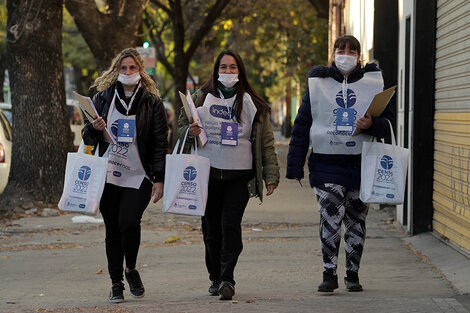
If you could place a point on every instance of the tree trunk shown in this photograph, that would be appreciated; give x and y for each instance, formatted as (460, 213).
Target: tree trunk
(287, 122)
(3, 67)
(41, 130)
(179, 79)
(107, 33)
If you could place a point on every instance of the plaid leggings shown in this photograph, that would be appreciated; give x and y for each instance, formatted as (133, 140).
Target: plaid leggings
(339, 204)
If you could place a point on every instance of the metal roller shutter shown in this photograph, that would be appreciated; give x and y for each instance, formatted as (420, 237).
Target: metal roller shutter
(451, 195)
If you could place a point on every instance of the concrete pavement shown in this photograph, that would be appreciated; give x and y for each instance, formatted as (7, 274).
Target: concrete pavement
(50, 264)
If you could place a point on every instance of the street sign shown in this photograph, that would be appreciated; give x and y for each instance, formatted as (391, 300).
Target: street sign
(150, 59)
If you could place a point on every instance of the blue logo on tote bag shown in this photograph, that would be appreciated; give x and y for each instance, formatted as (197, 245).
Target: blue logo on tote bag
(386, 162)
(84, 173)
(190, 173)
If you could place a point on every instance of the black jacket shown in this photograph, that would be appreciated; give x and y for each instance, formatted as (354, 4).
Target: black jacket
(338, 169)
(151, 126)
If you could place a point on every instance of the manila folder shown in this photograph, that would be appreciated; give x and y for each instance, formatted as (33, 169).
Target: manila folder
(378, 104)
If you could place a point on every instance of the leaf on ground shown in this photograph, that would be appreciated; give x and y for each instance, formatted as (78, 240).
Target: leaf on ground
(100, 271)
(172, 239)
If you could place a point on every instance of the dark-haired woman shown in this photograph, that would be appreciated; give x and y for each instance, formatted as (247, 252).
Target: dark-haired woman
(336, 97)
(241, 150)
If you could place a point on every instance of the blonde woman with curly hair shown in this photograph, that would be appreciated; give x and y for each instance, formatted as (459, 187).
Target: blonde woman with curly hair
(129, 106)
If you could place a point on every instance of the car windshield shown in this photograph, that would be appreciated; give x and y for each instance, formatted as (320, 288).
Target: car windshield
(4, 124)
(8, 115)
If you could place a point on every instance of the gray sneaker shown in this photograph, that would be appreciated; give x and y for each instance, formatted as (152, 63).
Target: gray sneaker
(226, 290)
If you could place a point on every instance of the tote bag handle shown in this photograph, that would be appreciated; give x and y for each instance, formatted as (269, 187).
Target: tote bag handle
(175, 149)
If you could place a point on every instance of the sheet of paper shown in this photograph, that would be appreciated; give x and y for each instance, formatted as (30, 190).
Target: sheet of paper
(90, 112)
(190, 110)
(377, 105)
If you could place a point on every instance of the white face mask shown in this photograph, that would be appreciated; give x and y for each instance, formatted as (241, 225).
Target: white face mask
(228, 80)
(345, 63)
(129, 80)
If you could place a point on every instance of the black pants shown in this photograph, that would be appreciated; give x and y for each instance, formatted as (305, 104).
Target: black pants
(122, 210)
(221, 226)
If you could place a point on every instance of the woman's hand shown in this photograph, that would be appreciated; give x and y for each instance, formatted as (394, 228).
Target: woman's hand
(364, 122)
(270, 189)
(157, 191)
(98, 123)
(194, 128)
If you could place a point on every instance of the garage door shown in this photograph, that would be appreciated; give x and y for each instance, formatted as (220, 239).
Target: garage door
(451, 195)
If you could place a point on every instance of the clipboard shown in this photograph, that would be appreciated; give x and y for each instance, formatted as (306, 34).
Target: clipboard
(377, 105)
(90, 112)
(190, 110)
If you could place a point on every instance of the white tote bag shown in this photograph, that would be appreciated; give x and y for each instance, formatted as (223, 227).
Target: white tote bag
(186, 182)
(85, 176)
(383, 172)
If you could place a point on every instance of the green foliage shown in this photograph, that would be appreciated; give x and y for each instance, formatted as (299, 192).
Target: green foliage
(74, 48)
(279, 41)
(3, 25)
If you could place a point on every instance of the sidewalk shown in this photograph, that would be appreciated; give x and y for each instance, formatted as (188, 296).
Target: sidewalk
(49, 264)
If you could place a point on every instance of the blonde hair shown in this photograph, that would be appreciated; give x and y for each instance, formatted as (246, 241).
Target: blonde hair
(110, 76)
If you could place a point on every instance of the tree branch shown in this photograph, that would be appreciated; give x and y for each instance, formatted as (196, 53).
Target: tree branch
(206, 26)
(322, 7)
(162, 6)
(178, 26)
(158, 43)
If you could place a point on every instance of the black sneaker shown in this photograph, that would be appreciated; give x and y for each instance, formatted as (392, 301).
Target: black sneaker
(214, 288)
(116, 295)
(330, 282)
(226, 290)
(352, 281)
(135, 283)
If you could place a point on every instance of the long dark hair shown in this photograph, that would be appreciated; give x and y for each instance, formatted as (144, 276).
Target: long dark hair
(210, 86)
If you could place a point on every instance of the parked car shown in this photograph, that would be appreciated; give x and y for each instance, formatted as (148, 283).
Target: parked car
(77, 121)
(5, 150)
(6, 108)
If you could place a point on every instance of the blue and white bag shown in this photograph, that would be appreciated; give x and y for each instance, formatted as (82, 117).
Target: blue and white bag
(383, 172)
(186, 182)
(85, 177)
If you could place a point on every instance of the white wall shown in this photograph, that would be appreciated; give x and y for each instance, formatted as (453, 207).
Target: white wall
(359, 22)
(405, 10)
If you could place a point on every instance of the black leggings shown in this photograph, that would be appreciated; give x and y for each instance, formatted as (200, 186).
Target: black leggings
(122, 210)
(221, 226)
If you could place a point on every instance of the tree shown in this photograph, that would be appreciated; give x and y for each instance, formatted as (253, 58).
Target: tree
(109, 28)
(41, 131)
(322, 7)
(280, 40)
(78, 55)
(3, 50)
(188, 26)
